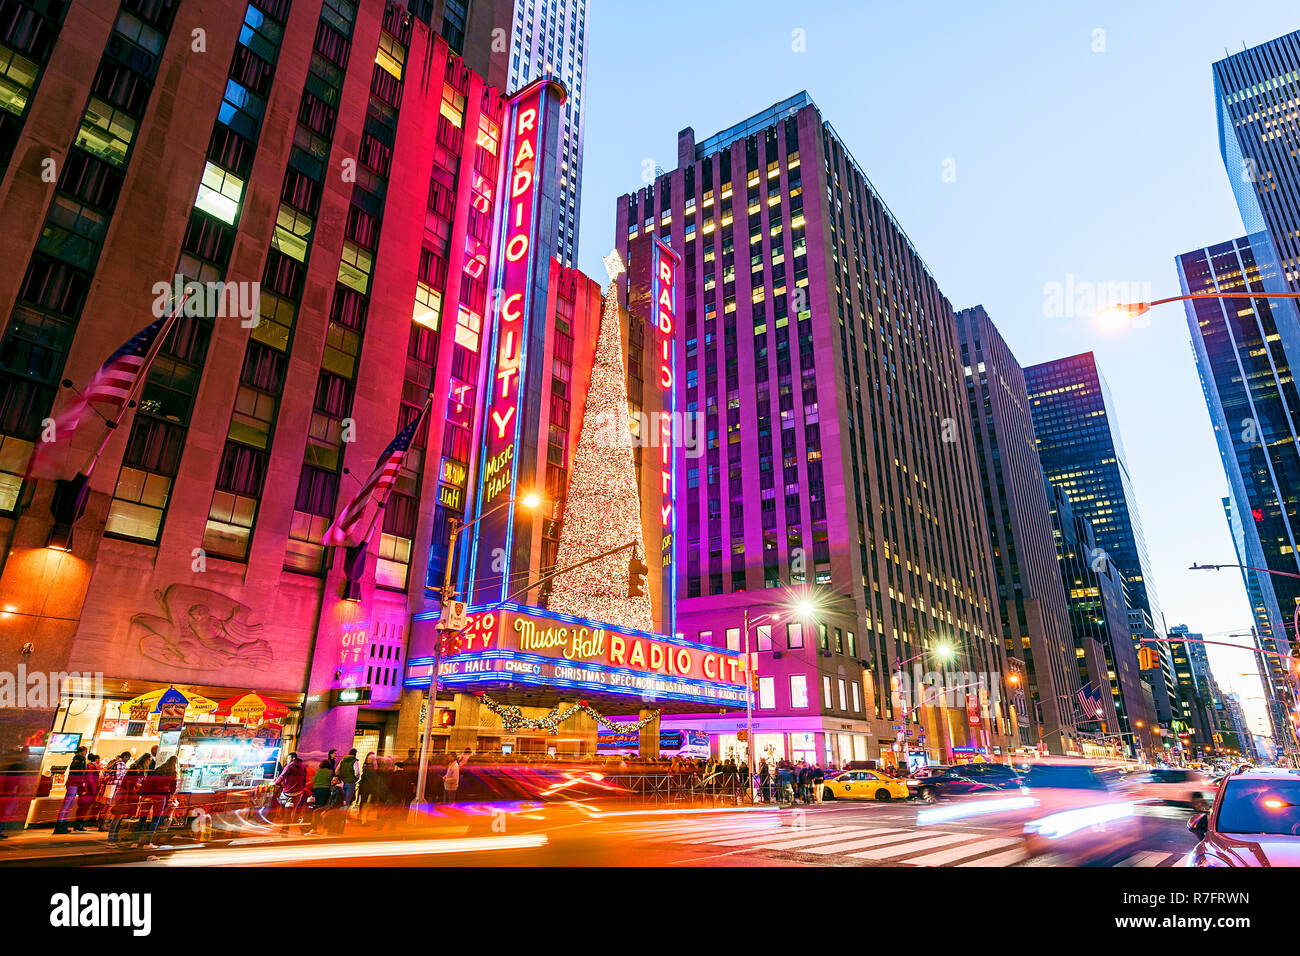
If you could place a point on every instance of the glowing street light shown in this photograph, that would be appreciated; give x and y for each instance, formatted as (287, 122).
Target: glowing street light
(1115, 318)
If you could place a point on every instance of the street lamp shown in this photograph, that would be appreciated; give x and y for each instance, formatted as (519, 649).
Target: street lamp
(1115, 317)
(804, 608)
(945, 652)
(448, 594)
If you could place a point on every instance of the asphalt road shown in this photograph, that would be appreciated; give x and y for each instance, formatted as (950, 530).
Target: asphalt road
(837, 834)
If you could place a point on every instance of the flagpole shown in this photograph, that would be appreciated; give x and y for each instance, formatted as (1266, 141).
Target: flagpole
(428, 403)
(136, 385)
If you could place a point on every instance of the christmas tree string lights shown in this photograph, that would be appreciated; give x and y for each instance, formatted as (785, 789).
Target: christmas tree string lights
(603, 506)
(513, 719)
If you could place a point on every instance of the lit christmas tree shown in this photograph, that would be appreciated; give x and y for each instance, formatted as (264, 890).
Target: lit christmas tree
(603, 507)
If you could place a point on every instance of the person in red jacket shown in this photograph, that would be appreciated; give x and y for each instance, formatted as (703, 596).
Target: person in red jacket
(126, 799)
(292, 782)
(156, 792)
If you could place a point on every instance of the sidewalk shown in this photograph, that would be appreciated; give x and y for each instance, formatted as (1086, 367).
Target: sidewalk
(40, 846)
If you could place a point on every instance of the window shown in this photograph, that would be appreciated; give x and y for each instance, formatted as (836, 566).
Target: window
(798, 691)
(844, 703)
(764, 637)
(220, 193)
(766, 693)
(827, 699)
(706, 637)
(857, 697)
(794, 635)
(733, 638)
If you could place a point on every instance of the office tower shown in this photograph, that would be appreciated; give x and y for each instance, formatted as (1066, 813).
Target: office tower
(820, 358)
(1245, 366)
(1256, 94)
(1083, 455)
(1031, 598)
(1245, 740)
(333, 180)
(1188, 652)
(549, 38)
(1098, 607)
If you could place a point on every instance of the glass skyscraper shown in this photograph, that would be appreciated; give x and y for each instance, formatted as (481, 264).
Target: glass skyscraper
(1082, 454)
(1246, 374)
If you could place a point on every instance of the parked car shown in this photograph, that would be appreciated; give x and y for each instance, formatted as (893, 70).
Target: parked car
(1255, 821)
(966, 779)
(1184, 788)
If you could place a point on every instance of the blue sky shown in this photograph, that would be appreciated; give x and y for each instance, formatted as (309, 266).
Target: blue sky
(1071, 155)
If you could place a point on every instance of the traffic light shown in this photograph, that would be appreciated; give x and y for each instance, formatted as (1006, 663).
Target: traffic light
(1147, 659)
(636, 572)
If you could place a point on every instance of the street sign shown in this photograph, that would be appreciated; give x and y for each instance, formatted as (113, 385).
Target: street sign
(453, 617)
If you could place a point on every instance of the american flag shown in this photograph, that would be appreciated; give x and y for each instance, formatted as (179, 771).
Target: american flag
(376, 486)
(113, 384)
(1089, 704)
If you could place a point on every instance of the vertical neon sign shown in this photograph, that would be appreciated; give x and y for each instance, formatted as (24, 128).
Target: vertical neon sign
(515, 257)
(663, 292)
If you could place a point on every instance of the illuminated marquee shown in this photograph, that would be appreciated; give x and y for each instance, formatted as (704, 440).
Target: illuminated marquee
(507, 646)
(663, 291)
(515, 259)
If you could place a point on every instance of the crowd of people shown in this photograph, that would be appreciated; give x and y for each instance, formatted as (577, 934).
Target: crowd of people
(321, 799)
(105, 794)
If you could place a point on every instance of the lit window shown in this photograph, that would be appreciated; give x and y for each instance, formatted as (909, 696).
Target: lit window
(220, 193)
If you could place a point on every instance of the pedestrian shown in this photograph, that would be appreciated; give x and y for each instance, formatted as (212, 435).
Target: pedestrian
(126, 800)
(13, 807)
(320, 792)
(292, 785)
(765, 780)
(818, 778)
(334, 815)
(332, 758)
(89, 798)
(348, 773)
(451, 780)
(73, 781)
(157, 792)
(368, 786)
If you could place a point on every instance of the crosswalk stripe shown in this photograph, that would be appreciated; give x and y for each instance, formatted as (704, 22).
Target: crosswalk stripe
(943, 857)
(1145, 858)
(999, 859)
(889, 852)
(713, 837)
(841, 833)
(771, 833)
(897, 837)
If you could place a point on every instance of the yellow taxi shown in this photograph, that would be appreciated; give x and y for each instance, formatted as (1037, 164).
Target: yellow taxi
(864, 785)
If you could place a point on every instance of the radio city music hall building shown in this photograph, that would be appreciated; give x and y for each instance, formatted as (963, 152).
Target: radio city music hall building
(346, 161)
(836, 461)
